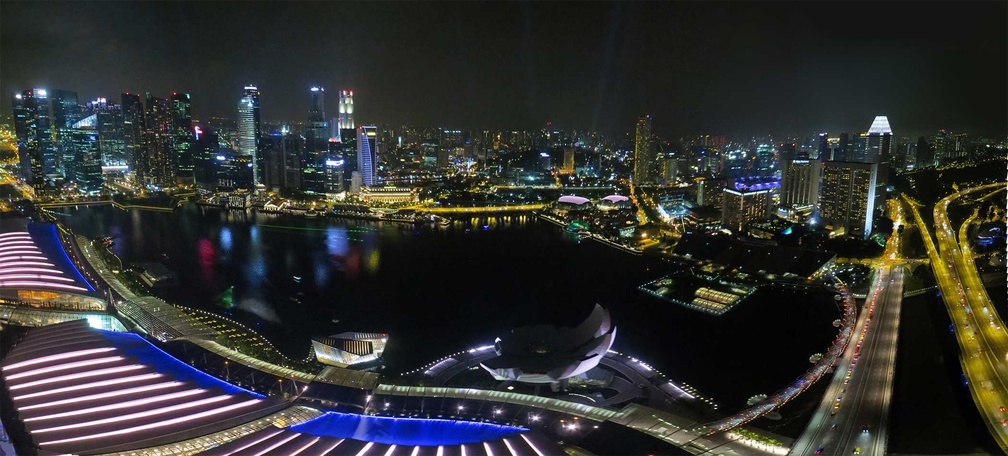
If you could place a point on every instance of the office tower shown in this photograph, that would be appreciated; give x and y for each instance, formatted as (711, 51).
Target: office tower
(367, 154)
(292, 149)
(65, 111)
(317, 134)
(348, 152)
(248, 131)
(878, 145)
(925, 153)
(670, 170)
(878, 149)
(182, 138)
(109, 123)
(333, 176)
(568, 161)
(34, 137)
(205, 147)
(133, 138)
(158, 139)
(741, 207)
(346, 119)
(823, 151)
(847, 203)
(840, 154)
(645, 159)
(800, 183)
(83, 145)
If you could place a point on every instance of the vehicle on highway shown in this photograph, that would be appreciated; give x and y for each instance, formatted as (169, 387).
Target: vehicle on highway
(857, 450)
(819, 450)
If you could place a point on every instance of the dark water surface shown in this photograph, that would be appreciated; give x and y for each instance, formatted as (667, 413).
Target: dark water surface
(438, 290)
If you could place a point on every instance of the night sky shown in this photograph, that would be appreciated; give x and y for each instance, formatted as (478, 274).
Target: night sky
(729, 68)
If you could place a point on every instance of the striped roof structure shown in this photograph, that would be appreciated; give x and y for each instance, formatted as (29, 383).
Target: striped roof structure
(290, 443)
(25, 265)
(84, 391)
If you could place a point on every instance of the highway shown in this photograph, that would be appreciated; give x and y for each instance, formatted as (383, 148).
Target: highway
(981, 334)
(853, 416)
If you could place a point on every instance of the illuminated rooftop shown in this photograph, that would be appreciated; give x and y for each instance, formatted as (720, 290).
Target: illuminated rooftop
(880, 126)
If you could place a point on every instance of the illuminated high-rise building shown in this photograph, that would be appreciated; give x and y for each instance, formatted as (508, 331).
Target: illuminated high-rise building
(738, 208)
(158, 139)
(82, 140)
(878, 144)
(346, 108)
(34, 137)
(133, 137)
(568, 161)
(645, 157)
(800, 183)
(109, 123)
(248, 131)
(847, 201)
(182, 138)
(65, 111)
(367, 154)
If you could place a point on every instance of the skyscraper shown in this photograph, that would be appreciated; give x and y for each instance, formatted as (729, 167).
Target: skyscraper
(800, 183)
(83, 144)
(158, 141)
(645, 159)
(248, 131)
(346, 119)
(109, 123)
(878, 145)
(741, 207)
(133, 138)
(65, 111)
(823, 151)
(182, 138)
(848, 197)
(34, 137)
(568, 161)
(367, 154)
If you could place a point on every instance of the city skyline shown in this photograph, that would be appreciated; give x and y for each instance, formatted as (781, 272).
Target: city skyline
(775, 69)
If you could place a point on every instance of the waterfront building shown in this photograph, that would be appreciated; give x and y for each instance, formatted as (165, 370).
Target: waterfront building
(158, 139)
(333, 176)
(133, 137)
(316, 142)
(390, 195)
(367, 154)
(34, 137)
(549, 354)
(645, 157)
(83, 145)
(109, 123)
(182, 137)
(349, 348)
(800, 183)
(347, 149)
(739, 207)
(65, 112)
(847, 202)
(249, 131)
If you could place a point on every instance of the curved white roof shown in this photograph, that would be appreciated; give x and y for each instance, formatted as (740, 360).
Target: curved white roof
(616, 198)
(571, 199)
